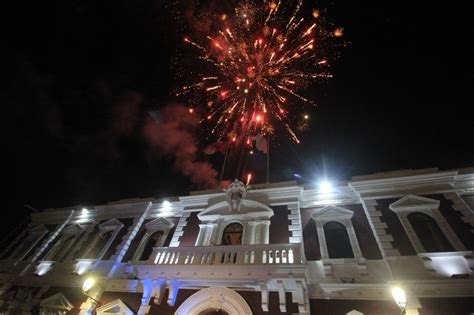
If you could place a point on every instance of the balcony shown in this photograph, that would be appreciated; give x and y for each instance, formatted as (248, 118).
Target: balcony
(239, 266)
(263, 254)
(228, 255)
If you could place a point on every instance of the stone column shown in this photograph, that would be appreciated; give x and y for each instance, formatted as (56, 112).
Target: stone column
(214, 235)
(251, 232)
(258, 233)
(266, 232)
(202, 233)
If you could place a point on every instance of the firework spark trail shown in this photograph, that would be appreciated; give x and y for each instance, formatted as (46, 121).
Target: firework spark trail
(259, 63)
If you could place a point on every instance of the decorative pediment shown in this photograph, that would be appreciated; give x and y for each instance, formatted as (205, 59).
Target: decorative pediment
(56, 302)
(114, 307)
(248, 209)
(332, 212)
(159, 224)
(111, 224)
(413, 202)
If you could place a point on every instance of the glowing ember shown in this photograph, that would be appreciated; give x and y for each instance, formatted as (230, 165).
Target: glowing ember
(249, 178)
(259, 61)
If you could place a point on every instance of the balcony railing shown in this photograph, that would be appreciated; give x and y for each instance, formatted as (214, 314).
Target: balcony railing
(265, 254)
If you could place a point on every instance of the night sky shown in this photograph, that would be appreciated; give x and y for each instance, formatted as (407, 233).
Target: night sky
(82, 75)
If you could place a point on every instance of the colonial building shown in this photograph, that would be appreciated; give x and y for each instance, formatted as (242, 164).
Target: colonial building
(278, 248)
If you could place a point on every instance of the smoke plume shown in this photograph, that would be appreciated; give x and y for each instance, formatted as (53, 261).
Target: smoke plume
(171, 132)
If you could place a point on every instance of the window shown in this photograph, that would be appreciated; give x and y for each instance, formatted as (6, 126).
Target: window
(104, 238)
(27, 245)
(232, 234)
(429, 233)
(61, 248)
(337, 240)
(64, 244)
(157, 232)
(155, 240)
(98, 244)
(425, 226)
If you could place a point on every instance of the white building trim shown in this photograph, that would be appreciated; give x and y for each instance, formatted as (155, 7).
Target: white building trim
(215, 298)
(430, 207)
(34, 236)
(252, 215)
(56, 304)
(113, 225)
(152, 227)
(116, 307)
(71, 233)
(339, 215)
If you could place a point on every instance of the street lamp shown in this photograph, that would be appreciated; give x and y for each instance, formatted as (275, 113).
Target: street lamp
(86, 286)
(400, 298)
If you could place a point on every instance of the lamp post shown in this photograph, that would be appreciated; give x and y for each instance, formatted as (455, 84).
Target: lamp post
(86, 286)
(400, 298)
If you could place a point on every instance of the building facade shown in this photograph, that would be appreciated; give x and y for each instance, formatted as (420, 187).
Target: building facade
(279, 248)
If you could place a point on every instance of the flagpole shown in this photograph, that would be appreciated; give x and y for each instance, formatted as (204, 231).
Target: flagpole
(268, 160)
(223, 164)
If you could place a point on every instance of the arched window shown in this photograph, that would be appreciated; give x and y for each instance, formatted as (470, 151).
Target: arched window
(27, 246)
(99, 243)
(232, 234)
(155, 240)
(429, 233)
(337, 241)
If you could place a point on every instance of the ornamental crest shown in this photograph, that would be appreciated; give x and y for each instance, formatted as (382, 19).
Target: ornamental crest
(235, 193)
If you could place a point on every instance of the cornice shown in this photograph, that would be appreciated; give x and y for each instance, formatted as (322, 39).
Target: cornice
(339, 195)
(394, 186)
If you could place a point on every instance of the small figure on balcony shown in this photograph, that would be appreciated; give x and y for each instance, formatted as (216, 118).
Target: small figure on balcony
(234, 194)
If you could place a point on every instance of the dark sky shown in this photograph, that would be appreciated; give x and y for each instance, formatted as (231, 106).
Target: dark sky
(82, 75)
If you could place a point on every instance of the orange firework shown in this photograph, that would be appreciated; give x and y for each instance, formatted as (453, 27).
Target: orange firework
(257, 65)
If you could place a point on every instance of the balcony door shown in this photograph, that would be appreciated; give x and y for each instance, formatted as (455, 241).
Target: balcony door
(232, 234)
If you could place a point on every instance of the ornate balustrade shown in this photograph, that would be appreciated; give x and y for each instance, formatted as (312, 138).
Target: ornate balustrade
(265, 254)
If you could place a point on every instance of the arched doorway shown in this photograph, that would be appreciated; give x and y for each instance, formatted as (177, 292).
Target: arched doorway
(214, 312)
(232, 234)
(213, 301)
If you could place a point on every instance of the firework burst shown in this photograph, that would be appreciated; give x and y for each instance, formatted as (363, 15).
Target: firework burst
(259, 61)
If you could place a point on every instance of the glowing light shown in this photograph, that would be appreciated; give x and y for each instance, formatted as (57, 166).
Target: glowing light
(84, 211)
(306, 116)
(88, 284)
(338, 32)
(166, 204)
(325, 187)
(191, 110)
(399, 296)
(260, 60)
(249, 177)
